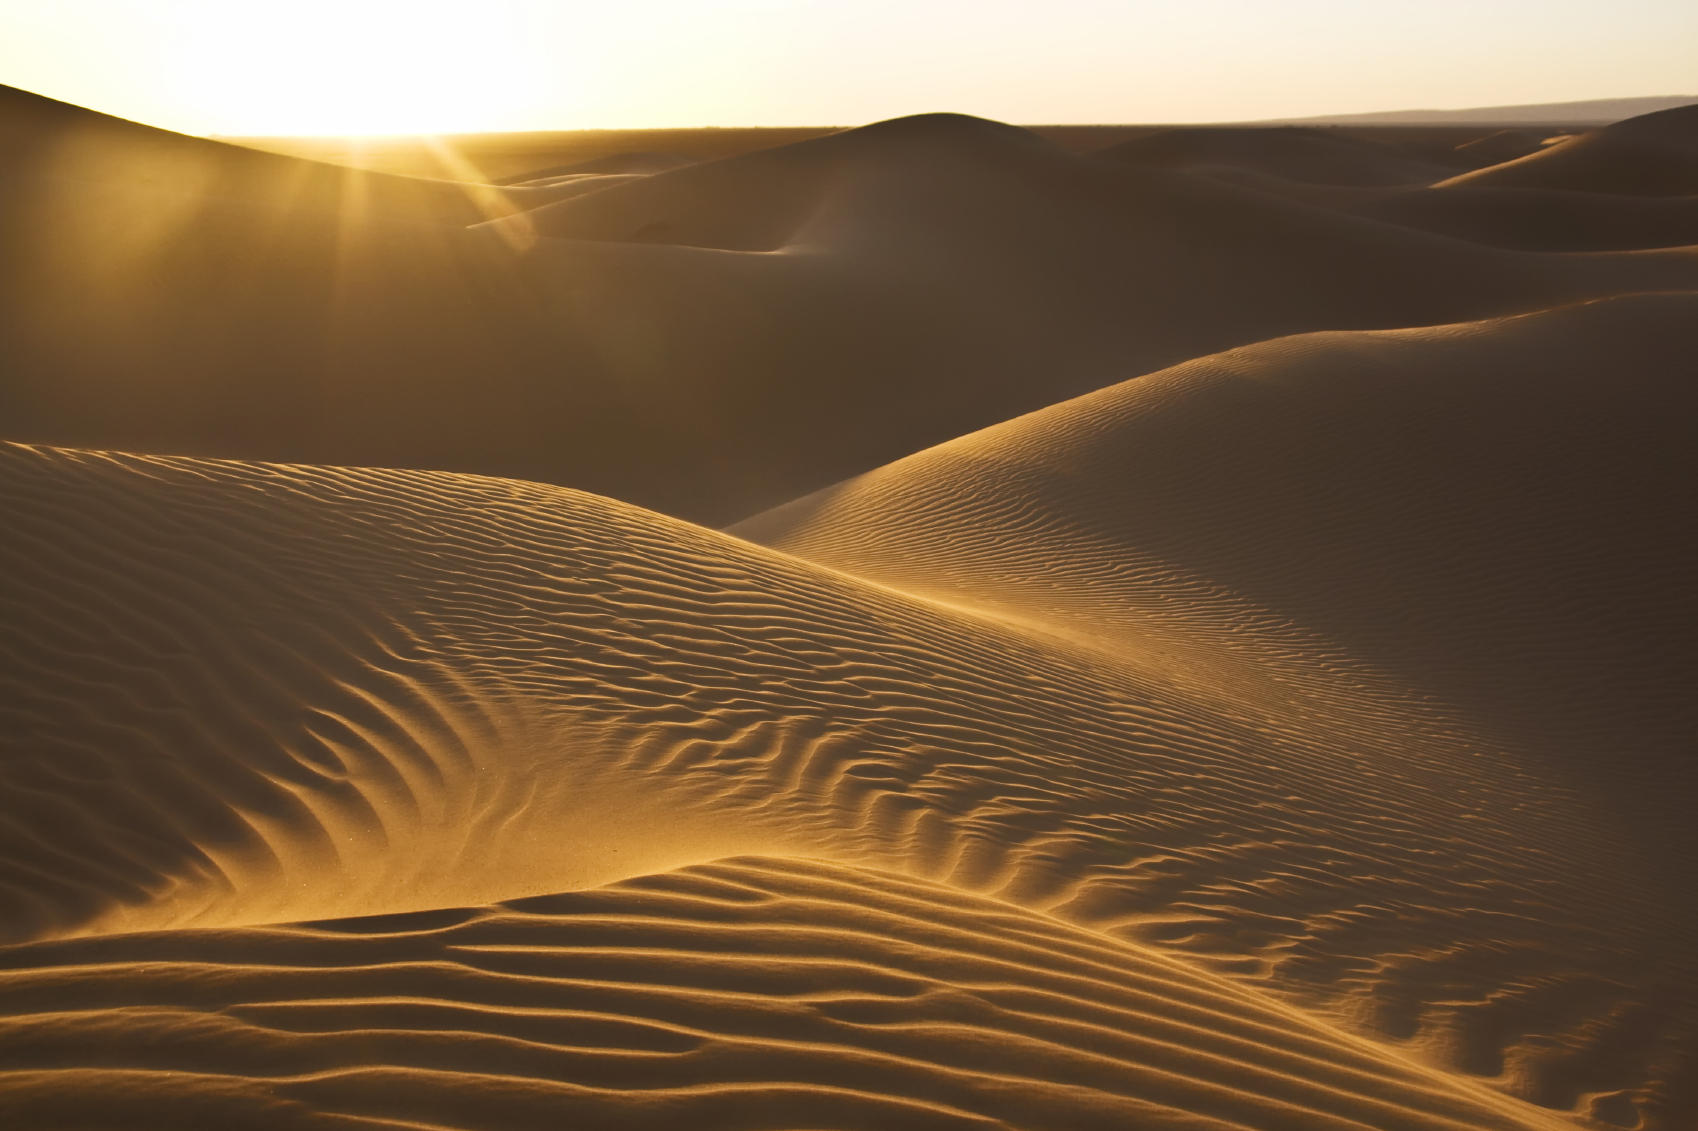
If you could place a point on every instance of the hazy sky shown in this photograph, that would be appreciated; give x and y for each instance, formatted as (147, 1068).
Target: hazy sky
(363, 66)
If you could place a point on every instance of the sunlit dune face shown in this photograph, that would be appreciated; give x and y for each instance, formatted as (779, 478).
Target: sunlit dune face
(369, 68)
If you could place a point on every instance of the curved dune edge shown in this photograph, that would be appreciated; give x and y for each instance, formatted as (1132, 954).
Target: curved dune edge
(1653, 154)
(708, 340)
(1455, 505)
(245, 693)
(752, 992)
(1492, 520)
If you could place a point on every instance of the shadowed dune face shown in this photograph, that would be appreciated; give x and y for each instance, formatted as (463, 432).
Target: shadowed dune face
(1516, 219)
(1305, 155)
(747, 993)
(1651, 155)
(1495, 519)
(1533, 219)
(709, 340)
(1623, 187)
(1373, 488)
(1203, 686)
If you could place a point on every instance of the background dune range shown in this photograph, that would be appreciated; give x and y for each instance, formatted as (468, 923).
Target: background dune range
(1203, 639)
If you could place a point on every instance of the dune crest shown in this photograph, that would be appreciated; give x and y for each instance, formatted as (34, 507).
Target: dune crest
(1651, 155)
(1477, 526)
(747, 992)
(709, 340)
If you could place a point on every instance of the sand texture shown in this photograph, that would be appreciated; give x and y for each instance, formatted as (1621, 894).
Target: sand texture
(1198, 635)
(1651, 155)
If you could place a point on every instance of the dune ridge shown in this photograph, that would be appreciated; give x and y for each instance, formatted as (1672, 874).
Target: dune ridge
(603, 658)
(709, 340)
(1599, 110)
(1650, 155)
(768, 992)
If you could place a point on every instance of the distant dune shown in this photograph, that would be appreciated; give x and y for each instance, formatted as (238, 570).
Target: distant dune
(706, 341)
(1653, 155)
(1597, 111)
(1201, 636)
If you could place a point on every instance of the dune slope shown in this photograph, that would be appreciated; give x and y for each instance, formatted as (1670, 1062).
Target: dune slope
(1493, 520)
(1533, 219)
(1651, 155)
(1142, 662)
(752, 992)
(709, 340)
(1306, 155)
(1493, 510)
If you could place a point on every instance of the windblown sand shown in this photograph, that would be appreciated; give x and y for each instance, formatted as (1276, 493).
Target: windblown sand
(1203, 639)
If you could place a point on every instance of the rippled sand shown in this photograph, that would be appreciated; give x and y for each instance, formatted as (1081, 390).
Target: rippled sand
(1195, 650)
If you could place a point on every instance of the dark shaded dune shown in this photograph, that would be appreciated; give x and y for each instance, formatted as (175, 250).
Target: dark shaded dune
(1307, 155)
(762, 201)
(1500, 513)
(1515, 219)
(985, 259)
(1651, 155)
(245, 693)
(1498, 518)
(706, 341)
(747, 993)
(1532, 219)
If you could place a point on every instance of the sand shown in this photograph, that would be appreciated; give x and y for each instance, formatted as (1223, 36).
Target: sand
(1184, 651)
(1651, 155)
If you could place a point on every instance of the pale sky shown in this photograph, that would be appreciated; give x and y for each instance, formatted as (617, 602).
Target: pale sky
(423, 66)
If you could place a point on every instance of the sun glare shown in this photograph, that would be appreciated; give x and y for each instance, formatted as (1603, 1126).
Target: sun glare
(329, 68)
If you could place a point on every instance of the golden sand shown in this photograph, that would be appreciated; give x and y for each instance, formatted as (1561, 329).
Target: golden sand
(1200, 635)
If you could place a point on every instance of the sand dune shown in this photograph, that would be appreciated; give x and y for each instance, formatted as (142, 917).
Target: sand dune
(1505, 145)
(750, 992)
(707, 341)
(1315, 479)
(1596, 110)
(1308, 155)
(1542, 219)
(1516, 219)
(1651, 155)
(1159, 731)
(1212, 659)
(1483, 517)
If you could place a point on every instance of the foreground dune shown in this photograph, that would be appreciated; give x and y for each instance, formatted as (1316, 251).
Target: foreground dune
(1133, 662)
(750, 993)
(1209, 659)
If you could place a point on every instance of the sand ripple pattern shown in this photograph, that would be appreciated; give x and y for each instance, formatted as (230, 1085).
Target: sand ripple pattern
(747, 993)
(1474, 538)
(244, 693)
